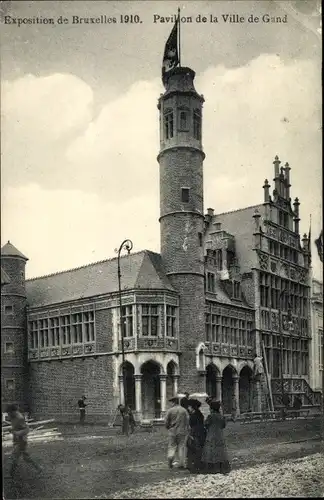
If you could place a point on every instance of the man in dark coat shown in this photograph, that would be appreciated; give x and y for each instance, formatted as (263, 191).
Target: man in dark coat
(82, 408)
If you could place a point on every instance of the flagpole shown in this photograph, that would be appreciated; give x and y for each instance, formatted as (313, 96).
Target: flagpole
(179, 36)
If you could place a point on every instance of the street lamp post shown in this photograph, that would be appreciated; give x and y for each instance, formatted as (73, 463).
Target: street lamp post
(282, 293)
(126, 245)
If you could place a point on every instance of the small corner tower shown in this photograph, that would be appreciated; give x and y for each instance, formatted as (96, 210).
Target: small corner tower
(181, 211)
(13, 326)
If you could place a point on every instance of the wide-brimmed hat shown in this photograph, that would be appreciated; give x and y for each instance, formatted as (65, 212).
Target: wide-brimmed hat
(175, 399)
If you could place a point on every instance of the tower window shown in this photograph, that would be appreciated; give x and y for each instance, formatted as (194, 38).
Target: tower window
(8, 310)
(200, 239)
(9, 347)
(236, 290)
(197, 124)
(211, 282)
(168, 125)
(10, 384)
(183, 120)
(185, 195)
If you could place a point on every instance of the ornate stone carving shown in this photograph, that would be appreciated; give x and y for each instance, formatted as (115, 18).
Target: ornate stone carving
(242, 351)
(234, 350)
(88, 348)
(55, 351)
(216, 348)
(66, 351)
(272, 231)
(44, 353)
(78, 349)
(263, 261)
(274, 321)
(226, 350)
(273, 266)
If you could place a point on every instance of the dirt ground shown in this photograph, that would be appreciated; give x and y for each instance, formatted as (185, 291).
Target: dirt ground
(97, 462)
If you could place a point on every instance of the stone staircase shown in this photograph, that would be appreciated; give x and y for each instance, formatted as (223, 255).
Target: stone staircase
(295, 387)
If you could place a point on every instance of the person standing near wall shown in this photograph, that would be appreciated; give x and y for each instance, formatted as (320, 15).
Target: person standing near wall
(82, 408)
(19, 429)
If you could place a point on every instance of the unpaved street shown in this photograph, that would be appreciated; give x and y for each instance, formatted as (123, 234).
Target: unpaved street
(94, 462)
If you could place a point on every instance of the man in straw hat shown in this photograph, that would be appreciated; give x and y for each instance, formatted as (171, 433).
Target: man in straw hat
(177, 423)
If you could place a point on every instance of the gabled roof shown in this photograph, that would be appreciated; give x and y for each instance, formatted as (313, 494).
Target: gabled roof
(8, 250)
(240, 223)
(141, 270)
(4, 277)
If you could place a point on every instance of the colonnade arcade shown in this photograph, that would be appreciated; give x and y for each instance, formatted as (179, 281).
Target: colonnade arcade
(232, 386)
(148, 391)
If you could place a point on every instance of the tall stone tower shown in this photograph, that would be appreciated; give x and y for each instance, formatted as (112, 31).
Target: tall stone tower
(181, 212)
(13, 327)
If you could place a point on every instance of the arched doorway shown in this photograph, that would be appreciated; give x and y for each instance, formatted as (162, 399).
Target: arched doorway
(211, 374)
(151, 392)
(228, 389)
(130, 384)
(170, 380)
(245, 389)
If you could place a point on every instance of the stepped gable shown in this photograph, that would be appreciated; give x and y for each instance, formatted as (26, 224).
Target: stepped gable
(138, 270)
(8, 250)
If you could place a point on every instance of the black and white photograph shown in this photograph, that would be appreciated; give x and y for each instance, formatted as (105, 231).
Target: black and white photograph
(161, 249)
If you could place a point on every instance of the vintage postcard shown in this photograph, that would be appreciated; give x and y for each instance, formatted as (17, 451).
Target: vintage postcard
(161, 249)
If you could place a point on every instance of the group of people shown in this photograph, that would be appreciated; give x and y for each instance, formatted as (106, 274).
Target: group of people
(197, 441)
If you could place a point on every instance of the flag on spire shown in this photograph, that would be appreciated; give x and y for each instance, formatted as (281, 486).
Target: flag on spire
(319, 245)
(171, 53)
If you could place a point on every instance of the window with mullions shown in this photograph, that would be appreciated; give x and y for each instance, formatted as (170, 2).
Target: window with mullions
(208, 327)
(55, 331)
(320, 349)
(171, 321)
(66, 329)
(77, 328)
(304, 357)
(127, 321)
(168, 124)
(88, 324)
(295, 356)
(150, 321)
(197, 124)
(249, 334)
(211, 282)
(213, 328)
(33, 334)
(234, 331)
(242, 332)
(43, 332)
(225, 330)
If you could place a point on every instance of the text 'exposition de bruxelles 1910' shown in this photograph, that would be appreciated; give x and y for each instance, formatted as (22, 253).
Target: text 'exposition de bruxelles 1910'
(157, 19)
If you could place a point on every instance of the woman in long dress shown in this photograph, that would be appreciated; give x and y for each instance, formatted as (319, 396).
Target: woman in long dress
(214, 455)
(196, 437)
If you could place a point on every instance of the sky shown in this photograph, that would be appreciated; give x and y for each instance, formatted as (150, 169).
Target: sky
(79, 119)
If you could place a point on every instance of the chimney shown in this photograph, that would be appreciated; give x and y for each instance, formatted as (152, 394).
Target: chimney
(209, 215)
